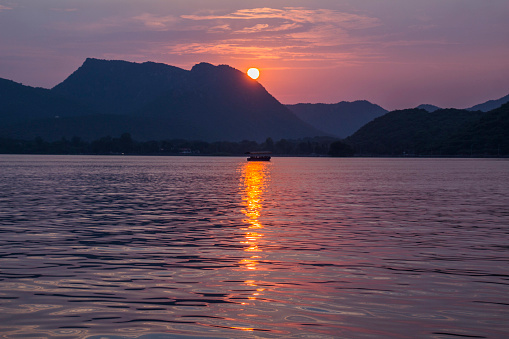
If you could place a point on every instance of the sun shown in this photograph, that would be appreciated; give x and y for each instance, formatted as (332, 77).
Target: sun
(253, 73)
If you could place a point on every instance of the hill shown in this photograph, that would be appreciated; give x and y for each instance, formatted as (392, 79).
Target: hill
(490, 105)
(341, 119)
(120, 87)
(222, 101)
(483, 107)
(429, 108)
(152, 101)
(486, 136)
(411, 131)
(20, 103)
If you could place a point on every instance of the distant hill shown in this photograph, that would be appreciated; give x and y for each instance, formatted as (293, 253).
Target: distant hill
(154, 101)
(411, 131)
(485, 136)
(20, 103)
(429, 108)
(490, 105)
(484, 107)
(222, 101)
(151, 102)
(121, 87)
(341, 119)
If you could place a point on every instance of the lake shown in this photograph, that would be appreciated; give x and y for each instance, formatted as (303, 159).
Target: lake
(215, 247)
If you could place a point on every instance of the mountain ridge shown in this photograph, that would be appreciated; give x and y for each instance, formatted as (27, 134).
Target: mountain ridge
(158, 101)
(340, 119)
(428, 107)
(449, 132)
(483, 107)
(19, 103)
(490, 104)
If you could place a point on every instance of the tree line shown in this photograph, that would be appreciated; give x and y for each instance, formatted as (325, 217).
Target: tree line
(125, 144)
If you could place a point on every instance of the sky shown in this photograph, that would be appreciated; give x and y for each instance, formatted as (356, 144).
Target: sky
(395, 53)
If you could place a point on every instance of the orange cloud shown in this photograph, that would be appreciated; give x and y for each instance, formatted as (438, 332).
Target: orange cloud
(230, 47)
(296, 15)
(156, 22)
(253, 29)
(290, 33)
(219, 29)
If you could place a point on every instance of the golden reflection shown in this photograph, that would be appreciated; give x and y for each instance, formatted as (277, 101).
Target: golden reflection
(253, 181)
(254, 178)
(248, 329)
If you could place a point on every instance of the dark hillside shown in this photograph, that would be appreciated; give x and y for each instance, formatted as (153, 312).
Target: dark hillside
(341, 119)
(221, 102)
(487, 136)
(411, 131)
(429, 108)
(120, 87)
(490, 105)
(151, 102)
(20, 103)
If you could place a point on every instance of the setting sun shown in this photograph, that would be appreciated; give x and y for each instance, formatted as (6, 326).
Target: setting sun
(253, 73)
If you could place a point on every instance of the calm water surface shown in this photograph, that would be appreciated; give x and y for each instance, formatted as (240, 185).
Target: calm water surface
(164, 247)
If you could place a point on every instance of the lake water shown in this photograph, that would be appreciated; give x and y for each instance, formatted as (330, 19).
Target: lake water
(165, 247)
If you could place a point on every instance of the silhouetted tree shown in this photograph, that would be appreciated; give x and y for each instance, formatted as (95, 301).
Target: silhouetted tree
(340, 149)
(268, 145)
(126, 144)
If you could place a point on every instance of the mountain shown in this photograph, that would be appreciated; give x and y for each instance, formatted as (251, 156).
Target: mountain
(120, 87)
(429, 108)
(411, 131)
(490, 105)
(20, 103)
(222, 101)
(484, 107)
(154, 101)
(341, 119)
(486, 136)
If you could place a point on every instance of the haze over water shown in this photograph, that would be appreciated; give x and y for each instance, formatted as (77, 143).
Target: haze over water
(156, 247)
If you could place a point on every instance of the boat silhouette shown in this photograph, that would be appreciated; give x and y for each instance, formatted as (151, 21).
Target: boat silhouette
(258, 156)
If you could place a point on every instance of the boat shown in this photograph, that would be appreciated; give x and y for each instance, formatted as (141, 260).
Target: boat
(258, 156)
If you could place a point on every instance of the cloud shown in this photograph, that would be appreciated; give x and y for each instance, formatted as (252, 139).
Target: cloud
(158, 23)
(253, 29)
(219, 29)
(287, 33)
(287, 19)
(295, 15)
(230, 47)
(243, 14)
(294, 25)
(285, 27)
(4, 8)
(262, 50)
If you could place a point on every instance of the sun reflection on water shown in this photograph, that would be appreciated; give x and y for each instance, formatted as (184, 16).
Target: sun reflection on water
(254, 179)
(253, 182)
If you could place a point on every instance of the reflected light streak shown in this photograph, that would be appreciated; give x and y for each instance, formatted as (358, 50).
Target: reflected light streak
(252, 185)
(253, 182)
(248, 329)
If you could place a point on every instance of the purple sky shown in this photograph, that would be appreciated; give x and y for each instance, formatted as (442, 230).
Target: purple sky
(396, 53)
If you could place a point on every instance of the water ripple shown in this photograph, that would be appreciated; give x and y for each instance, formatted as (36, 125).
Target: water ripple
(146, 247)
